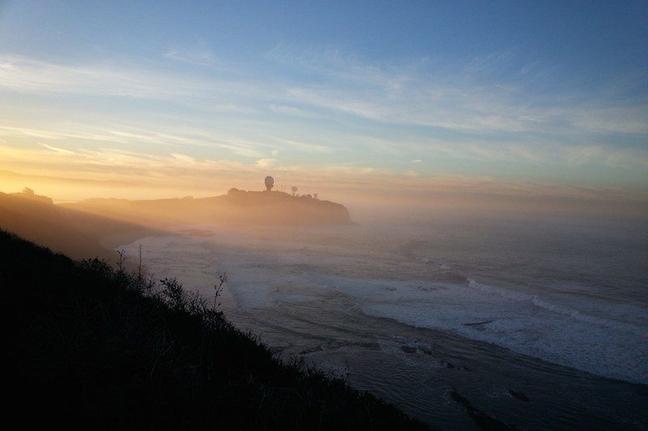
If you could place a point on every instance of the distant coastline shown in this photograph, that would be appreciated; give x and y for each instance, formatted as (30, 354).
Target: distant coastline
(237, 207)
(95, 227)
(69, 231)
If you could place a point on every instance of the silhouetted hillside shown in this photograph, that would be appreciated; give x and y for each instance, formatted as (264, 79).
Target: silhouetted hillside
(93, 347)
(237, 207)
(68, 231)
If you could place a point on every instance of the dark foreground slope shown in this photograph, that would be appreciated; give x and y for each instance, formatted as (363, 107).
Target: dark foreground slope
(94, 347)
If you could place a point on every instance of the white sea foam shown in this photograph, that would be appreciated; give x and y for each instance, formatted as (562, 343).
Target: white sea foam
(518, 321)
(608, 339)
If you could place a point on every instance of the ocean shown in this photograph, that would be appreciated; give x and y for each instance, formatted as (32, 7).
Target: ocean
(540, 322)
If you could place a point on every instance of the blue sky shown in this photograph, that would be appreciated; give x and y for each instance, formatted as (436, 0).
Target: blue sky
(518, 92)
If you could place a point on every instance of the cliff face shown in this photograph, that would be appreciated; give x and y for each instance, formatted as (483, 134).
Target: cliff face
(75, 233)
(235, 208)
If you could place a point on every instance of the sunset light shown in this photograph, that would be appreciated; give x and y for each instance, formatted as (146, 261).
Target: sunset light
(326, 214)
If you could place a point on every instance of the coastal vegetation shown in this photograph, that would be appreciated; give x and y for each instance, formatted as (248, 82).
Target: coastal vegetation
(99, 347)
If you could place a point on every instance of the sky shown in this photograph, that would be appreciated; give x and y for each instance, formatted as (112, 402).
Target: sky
(151, 99)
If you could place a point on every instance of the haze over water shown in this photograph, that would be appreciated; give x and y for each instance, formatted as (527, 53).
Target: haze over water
(493, 158)
(549, 307)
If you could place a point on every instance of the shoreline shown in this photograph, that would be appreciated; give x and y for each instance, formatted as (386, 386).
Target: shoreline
(472, 332)
(369, 349)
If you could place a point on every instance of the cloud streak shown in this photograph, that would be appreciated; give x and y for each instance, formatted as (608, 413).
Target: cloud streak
(180, 172)
(361, 90)
(347, 115)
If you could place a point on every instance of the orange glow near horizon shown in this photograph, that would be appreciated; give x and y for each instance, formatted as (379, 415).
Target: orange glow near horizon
(68, 176)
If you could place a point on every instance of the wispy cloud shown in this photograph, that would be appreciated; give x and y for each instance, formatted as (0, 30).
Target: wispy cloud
(201, 57)
(266, 163)
(597, 154)
(128, 137)
(291, 111)
(108, 170)
(307, 147)
(358, 117)
(460, 100)
(28, 75)
(401, 95)
(58, 150)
